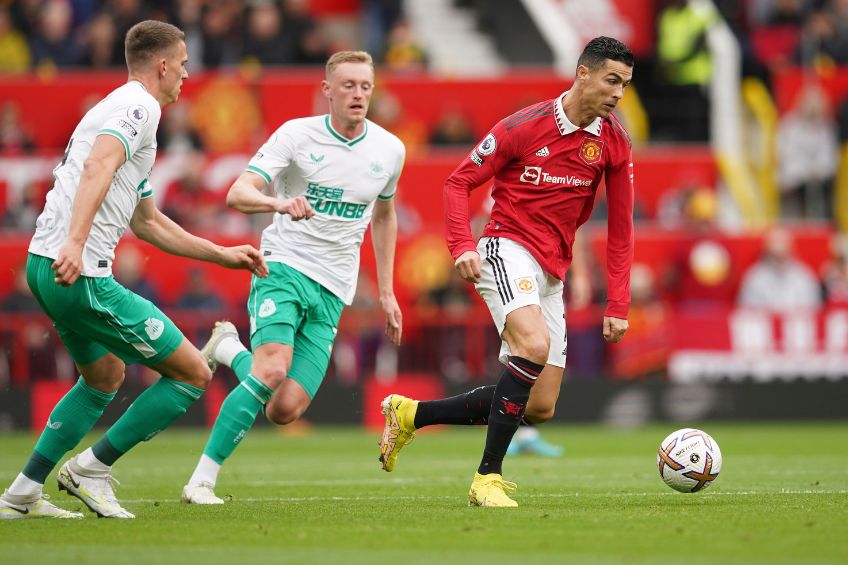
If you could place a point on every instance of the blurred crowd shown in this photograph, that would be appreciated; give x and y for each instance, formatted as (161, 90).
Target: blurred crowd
(700, 273)
(51, 34)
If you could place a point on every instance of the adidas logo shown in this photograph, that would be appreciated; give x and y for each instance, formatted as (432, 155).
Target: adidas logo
(543, 152)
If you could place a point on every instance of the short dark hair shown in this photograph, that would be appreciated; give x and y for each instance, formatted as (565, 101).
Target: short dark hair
(148, 38)
(602, 48)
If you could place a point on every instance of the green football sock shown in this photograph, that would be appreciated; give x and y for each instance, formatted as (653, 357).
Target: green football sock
(71, 418)
(242, 364)
(237, 414)
(153, 411)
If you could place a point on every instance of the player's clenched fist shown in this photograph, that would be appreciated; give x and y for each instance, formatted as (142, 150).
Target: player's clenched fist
(298, 208)
(614, 329)
(468, 266)
(68, 265)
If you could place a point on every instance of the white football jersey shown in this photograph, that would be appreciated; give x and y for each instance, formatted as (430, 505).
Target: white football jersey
(130, 114)
(341, 179)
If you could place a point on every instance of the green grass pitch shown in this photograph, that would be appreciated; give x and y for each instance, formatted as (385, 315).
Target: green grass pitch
(320, 497)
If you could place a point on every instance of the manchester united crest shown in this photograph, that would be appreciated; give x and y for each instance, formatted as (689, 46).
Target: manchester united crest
(524, 284)
(591, 151)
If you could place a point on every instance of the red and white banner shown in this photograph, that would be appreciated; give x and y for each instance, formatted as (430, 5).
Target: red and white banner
(761, 345)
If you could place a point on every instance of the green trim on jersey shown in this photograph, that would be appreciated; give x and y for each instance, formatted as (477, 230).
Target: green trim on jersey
(343, 139)
(145, 192)
(119, 136)
(259, 172)
(389, 197)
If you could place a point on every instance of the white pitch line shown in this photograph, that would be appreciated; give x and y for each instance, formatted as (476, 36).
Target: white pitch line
(547, 495)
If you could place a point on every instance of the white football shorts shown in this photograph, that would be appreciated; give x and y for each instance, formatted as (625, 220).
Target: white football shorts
(511, 278)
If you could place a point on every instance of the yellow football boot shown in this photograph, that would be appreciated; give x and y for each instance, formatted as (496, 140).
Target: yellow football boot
(400, 427)
(490, 491)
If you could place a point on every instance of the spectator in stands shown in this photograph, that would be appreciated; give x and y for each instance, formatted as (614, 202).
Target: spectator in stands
(403, 52)
(39, 343)
(129, 270)
(14, 49)
(448, 300)
(176, 132)
(452, 296)
(839, 13)
(807, 151)
(835, 271)
(188, 201)
(822, 46)
(25, 14)
(784, 12)
(685, 69)
(698, 275)
(310, 44)
(15, 140)
(20, 298)
(584, 287)
(188, 16)
(842, 121)
(387, 111)
(378, 17)
(584, 277)
(126, 13)
(83, 12)
(453, 129)
(55, 44)
(98, 41)
(21, 216)
(269, 40)
(222, 39)
(648, 343)
(198, 294)
(355, 352)
(779, 281)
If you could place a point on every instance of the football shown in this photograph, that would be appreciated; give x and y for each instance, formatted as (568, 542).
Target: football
(689, 460)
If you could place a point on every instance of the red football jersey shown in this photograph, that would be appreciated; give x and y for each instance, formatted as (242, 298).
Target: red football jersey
(547, 172)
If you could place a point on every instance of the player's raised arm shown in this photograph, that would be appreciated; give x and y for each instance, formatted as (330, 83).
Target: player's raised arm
(106, 157)
(246, 196)
(154, 227)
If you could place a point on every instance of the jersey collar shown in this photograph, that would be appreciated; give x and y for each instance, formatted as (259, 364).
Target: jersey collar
(564, 124)
(141, 84)
(340, 137)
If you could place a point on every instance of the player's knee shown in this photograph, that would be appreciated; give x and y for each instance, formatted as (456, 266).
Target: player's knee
(108, 382)
(534, 348)
(539, 414)
(200, 376)
(106, 375)
(205, 377)
(272, 377)
(282, 415)
(195, 373)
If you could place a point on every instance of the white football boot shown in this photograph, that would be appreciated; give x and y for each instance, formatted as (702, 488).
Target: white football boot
(200, 494)
(220, 332)
(94, 489)
(16, 507)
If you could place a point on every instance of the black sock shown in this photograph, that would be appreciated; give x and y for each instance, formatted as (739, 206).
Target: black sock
(508, 405)
(468, 409)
